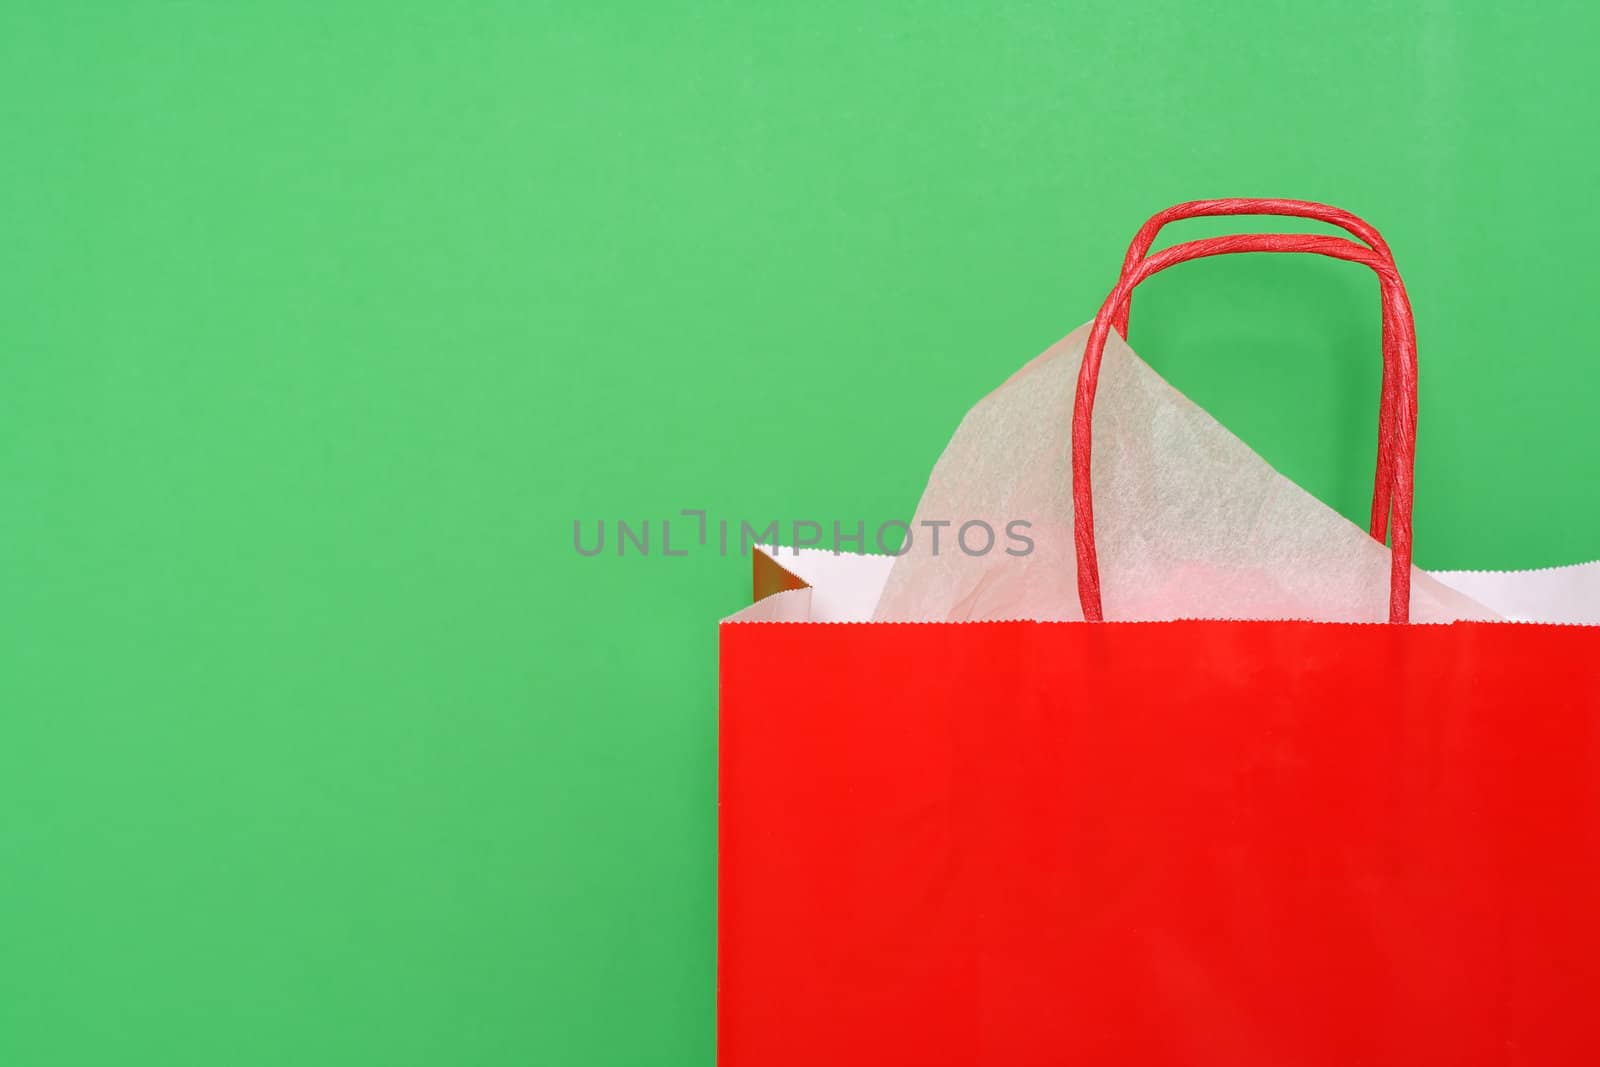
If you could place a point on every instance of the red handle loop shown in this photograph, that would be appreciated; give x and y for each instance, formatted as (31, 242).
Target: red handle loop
(1354, 225)
(1195, 209)
(1397, 310)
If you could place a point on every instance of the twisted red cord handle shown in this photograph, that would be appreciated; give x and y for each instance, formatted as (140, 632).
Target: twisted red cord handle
(1378, 524)
(1397, 309)
(1194, 209)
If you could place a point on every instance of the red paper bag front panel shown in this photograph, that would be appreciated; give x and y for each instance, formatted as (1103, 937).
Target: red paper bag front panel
(1142, 843)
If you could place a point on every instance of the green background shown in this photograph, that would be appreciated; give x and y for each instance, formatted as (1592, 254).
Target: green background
(320, 325)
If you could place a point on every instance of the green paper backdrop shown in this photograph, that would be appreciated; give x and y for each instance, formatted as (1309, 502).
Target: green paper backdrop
(320, 324)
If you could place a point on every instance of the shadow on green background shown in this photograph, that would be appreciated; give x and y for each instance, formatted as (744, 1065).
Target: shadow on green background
(319, 328)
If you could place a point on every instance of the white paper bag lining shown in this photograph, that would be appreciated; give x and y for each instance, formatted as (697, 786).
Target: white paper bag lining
(846, 587)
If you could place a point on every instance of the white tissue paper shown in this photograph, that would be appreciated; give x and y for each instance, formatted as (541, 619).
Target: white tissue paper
(1189, 522)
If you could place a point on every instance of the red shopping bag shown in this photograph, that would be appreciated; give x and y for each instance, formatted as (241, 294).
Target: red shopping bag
(1230, 842)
